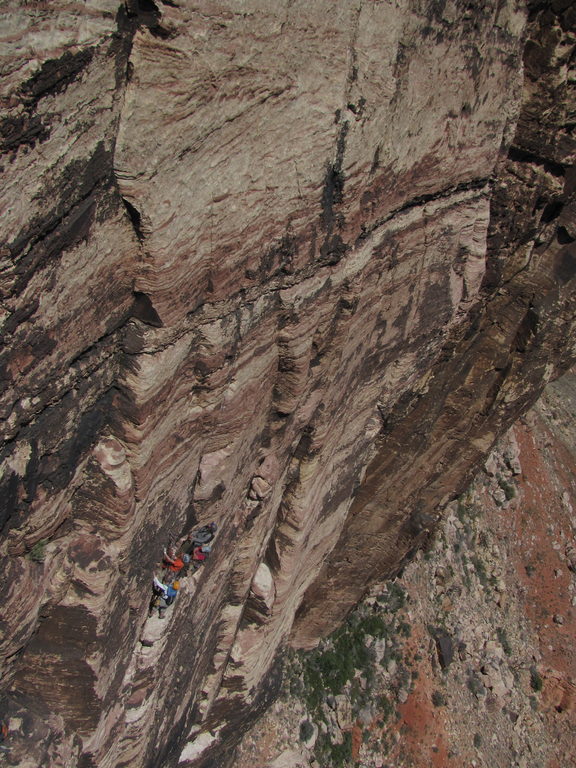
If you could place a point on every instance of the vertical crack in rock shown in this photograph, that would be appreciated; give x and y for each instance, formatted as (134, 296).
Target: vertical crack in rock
(333, 247)
(135, 218)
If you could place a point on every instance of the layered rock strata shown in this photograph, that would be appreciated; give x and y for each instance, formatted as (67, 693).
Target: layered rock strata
(293, 268)
(467, 657)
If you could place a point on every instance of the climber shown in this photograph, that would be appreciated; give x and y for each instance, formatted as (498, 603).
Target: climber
(172, 562)
(186, 559)
(202, 536)
(4, 732)
(159, 589)
(163, 596)
(165, 602)
(200, 554)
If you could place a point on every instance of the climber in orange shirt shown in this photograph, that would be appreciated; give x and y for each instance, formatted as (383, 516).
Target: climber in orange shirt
(174, 563)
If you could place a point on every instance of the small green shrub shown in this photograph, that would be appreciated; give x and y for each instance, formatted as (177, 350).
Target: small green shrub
(394, 598)
(477, 740)
(372, 625)
(404, 629)
(480, 571)
(384, 745)
(465, 512)
(386, 708)
(466, 575)
(340, 754)
(483, 540)
(438, 699)
(38, 551)
(509, 490)
(503, 640)
(536, 681)
(306, 730)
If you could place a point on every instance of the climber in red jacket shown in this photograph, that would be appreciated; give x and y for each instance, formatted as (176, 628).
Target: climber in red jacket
(199, 554)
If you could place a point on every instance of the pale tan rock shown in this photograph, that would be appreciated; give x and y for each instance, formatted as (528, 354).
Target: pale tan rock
(259, 488)
(210, 473)
(493, 650)
(290, 758)
(194, 749)
(111, 455)
(490, 465)
(344, 712)
(263, 585)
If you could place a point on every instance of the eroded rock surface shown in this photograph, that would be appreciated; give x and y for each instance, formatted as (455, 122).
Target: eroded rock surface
(467, 658)
(291, 267)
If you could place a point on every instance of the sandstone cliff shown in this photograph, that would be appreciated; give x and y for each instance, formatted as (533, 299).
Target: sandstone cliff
(467, 658)
(293, 267)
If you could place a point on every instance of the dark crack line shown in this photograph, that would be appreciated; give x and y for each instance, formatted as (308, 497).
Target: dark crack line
(466, 186)
(352, 75)
(519, 155)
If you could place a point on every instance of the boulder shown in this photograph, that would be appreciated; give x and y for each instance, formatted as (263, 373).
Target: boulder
(444, 649)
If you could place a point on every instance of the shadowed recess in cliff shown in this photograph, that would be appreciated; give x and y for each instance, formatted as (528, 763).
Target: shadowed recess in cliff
(22, 130)
(135, 218)
(53, 456)
(55, 75)
(66, 684)
(333, 247)
(73, 196)
(147, 14)
(143, 310)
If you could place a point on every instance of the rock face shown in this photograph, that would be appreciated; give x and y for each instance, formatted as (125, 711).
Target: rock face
(462, 659)
(290, 267)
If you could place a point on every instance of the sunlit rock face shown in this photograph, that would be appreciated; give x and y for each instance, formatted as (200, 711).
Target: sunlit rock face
(292, 268)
